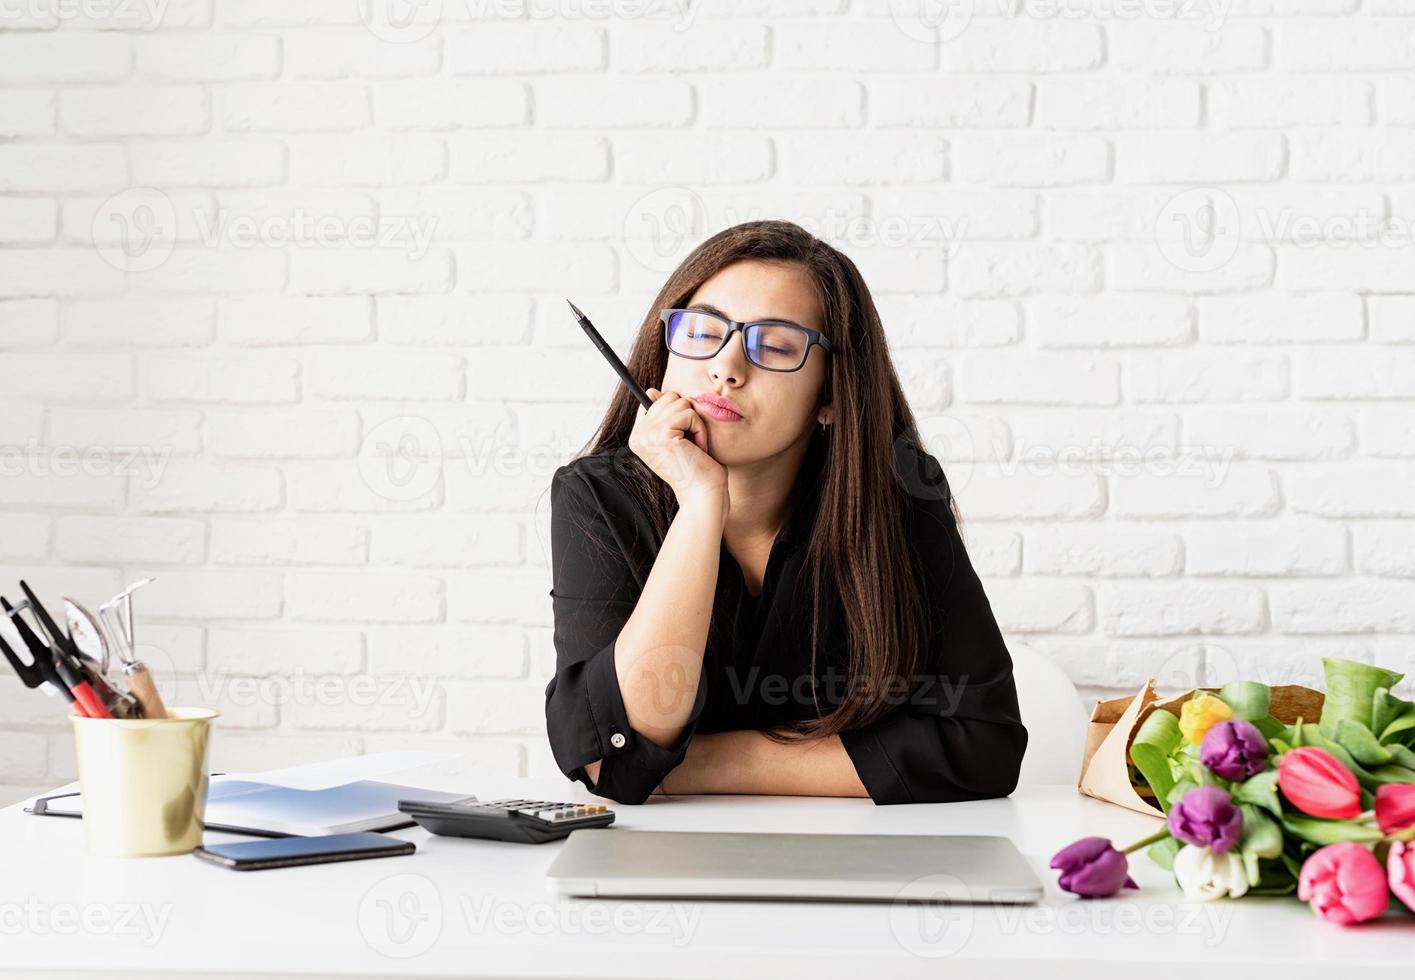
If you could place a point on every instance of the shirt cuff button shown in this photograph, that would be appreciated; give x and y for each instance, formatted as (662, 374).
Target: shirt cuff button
(617, 740)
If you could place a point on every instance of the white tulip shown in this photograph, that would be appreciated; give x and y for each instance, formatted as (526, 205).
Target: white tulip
(1204, 876)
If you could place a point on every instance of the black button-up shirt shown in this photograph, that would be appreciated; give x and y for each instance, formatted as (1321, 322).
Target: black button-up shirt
(957, 736)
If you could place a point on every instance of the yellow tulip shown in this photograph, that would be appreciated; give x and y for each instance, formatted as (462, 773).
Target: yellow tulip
(1199, 714)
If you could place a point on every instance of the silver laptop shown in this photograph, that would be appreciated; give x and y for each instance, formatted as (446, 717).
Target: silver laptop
(842, 867)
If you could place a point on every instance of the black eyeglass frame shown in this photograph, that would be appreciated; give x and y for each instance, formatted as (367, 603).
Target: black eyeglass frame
(814, 338)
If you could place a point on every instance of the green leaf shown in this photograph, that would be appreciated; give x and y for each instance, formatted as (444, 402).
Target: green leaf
(1401, 723)
(1270, 727)
(1384, 707)
(1350, 692)
(1358, 740)
(1154, 743)
(1260, 790)
(1324, 832)
(1177, 791)
(1162, 852)
(1393, 774)
(1401, 756)
(1248, 699)
(1262, 838)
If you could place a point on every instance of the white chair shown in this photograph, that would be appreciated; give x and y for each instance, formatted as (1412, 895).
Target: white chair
(1055, 718)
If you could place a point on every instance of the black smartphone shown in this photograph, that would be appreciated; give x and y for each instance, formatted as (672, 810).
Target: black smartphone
(290, 852)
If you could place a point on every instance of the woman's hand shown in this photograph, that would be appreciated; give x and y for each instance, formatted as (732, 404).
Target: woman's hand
(669, 436)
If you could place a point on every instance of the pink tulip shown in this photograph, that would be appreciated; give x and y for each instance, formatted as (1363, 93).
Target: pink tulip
(1395, 807)
(1400, 868)
(1318, 784)
(1344, 883)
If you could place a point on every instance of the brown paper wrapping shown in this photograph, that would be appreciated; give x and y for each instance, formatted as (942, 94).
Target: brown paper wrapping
(1104, 765)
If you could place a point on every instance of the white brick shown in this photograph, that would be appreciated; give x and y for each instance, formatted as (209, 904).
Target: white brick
(1201, 376)
(1356, 372)
(1203, 487)
(1110, 321)
(527, 157)
(943, 321)
(200, 594)
(1038, 606)
(1344, 607)
(1188, 49)
(956, 218)
(1189, 158)
(207, 487)
(204, 379)
(1024, 45)
(307, 433)
(366, 161)
(1055, 434)
(478, 709)
(1392, 318)
(216, 57)
(887, 158)
(212, 162)
(342, 487)
(358, 54)
(453, 321)
(1362, 489)
(992, 271)
(268, 542)
(992, 492)
(28, 322)
(482, 652)
(261, 652)
(276, 13)
(500, 596)
(1145, 268)
(1026, 160)
(531, 46)
(1389, 430)
(1280, 318)
(1180, 608)
(224, 269)
(139, 323)
(365, 597)
(130, 539)
(1273, 432)
(128, 111)
(451, 105)
(159, 432)
(66, 376)
(28, 113)
(1116, 103)
(29, 167)
(1385, 548)
(296, 321)
(1103, 550)
(1268, 549)
(58, 482)
(383, 374)
(611, 102)
(1053, 378)
(288, 107)
(1270, 103)
(800, 46)
(1362, 44)
(64, 56)
(1345, 155)
(449, 543)
(516, 267)
(935, 101)
(798, 103)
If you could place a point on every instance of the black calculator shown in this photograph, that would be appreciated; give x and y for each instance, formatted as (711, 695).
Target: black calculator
(519, 821)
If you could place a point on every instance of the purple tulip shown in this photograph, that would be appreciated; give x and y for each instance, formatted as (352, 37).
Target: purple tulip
(1234, 750)
(1206, 817)
(1092, 868)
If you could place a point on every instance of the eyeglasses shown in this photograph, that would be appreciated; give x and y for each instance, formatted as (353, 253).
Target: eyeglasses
(775, 345)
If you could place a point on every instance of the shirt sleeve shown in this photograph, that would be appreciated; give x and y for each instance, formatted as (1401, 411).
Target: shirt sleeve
(959, 736)
(595, 587)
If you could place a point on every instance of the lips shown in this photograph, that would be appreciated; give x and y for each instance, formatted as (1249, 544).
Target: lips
(716, 408)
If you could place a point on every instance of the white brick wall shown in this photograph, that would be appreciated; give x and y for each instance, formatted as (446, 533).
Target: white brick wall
(282, 321)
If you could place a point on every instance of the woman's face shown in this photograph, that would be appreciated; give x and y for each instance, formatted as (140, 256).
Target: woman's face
(778, 409)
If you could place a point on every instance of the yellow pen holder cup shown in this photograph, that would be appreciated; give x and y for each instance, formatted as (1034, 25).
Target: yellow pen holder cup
(144, 782)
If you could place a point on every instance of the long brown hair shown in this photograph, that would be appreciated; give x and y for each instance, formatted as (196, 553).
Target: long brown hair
(857, 545)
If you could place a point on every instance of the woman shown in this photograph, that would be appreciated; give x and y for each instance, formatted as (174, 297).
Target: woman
(759, 585)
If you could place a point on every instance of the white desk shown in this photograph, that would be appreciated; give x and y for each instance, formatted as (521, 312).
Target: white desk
(479, 908)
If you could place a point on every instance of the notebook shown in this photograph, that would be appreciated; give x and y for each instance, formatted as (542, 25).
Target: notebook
(245, 806)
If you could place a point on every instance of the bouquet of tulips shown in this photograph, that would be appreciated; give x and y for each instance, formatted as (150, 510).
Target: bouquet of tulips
(1257, 807)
